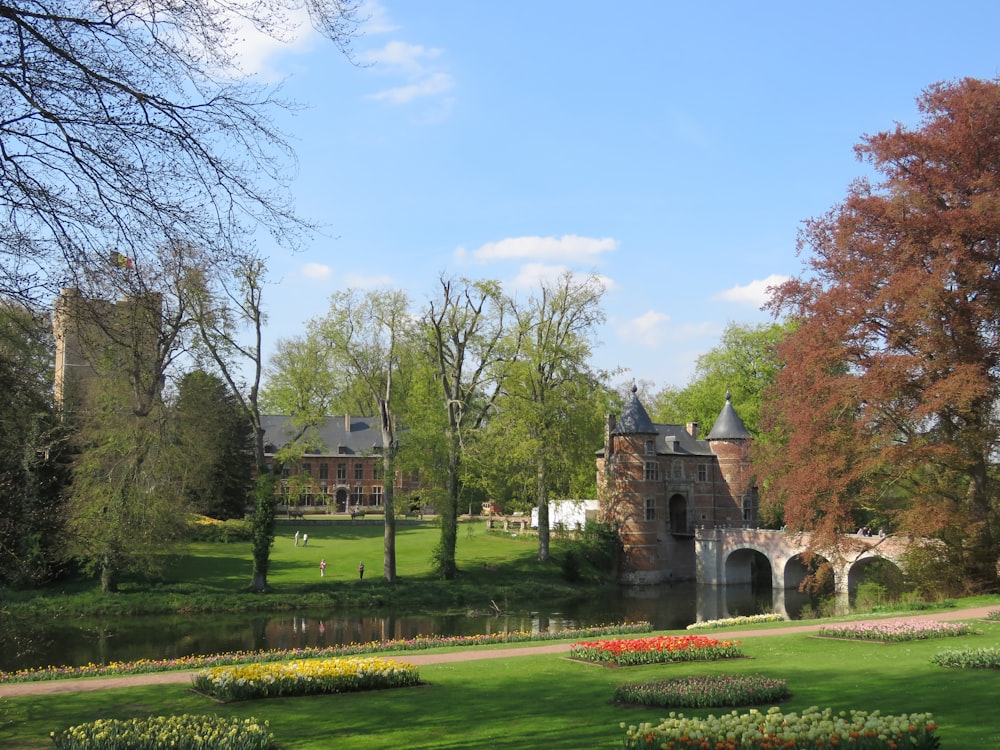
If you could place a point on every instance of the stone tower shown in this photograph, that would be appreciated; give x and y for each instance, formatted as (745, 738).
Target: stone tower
(658, 482)
(96, 338)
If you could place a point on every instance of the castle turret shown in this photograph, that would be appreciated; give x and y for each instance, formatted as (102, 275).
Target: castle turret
(730, 441)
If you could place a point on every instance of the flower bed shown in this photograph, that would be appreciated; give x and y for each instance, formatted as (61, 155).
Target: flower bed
(155, 732)
(971, 658)
(659, 649)
(418, 643)
(896, 630)
(304, 677)
(810, 730)
(705, 691)
(726, 622)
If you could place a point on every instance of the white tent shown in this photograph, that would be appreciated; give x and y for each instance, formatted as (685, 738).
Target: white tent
(567, 514)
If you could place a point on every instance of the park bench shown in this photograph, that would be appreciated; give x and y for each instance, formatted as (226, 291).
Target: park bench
(357, 513)
(296, 514)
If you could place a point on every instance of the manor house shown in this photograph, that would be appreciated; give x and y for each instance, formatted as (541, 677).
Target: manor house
(659, 482)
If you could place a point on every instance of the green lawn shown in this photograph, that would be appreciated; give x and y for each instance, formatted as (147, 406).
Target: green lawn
(216, 576)
(344, 545)
(551, 702)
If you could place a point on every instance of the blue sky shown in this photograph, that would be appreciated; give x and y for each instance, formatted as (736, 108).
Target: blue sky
(672, 148)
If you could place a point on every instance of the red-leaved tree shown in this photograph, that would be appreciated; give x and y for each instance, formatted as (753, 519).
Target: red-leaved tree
(887, 405)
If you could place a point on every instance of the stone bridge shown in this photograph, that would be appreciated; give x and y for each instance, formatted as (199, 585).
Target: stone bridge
(729, 555)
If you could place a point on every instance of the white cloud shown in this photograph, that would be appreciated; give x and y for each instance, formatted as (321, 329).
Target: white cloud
(433, 85)
(654, 329)
(256, 50)
(376, 19)
(316, 271)
(425, 75)
(755, 293)
(569, 247)
(402, 56)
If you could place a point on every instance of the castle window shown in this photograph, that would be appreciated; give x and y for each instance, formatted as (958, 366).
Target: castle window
(750, 506)
(359, 472)
(678, 470)
(324, 471)
(359, 495)
(377, 495)
(650, 508)
(651, 471)
(650, 447)
(341, 472)
(702, 473)
(307, 469)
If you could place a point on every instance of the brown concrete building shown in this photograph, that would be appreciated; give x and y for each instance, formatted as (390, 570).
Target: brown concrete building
(96, 339)
(659, 482)
(342, 475)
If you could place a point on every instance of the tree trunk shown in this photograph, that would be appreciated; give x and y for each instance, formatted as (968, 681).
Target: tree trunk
(447, 567)
(389, 533)
(109, 578)
(542, 499)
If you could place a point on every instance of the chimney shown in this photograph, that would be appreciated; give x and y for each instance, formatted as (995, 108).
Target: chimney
(347, 423)
(692, 428)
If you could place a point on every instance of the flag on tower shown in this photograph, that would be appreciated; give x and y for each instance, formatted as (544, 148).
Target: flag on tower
(117, 259)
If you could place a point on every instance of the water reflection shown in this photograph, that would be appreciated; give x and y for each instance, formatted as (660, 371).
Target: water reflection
(667, 607)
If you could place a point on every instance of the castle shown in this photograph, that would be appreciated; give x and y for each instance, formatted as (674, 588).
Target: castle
(96, 338)
(658, 482)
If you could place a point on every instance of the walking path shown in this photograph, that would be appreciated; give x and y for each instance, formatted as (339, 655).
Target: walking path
(48, 687)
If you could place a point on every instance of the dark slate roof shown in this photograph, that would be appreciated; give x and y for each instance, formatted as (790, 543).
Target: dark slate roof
(728, 425)
(634, 420)
(331, 438)
(675, 439)
(670, 438)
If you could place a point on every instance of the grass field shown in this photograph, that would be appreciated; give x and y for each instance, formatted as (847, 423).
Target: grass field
(539, 701)
(551, 702)
(216, 576)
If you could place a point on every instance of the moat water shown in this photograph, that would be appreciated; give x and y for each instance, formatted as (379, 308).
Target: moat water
(100, 641)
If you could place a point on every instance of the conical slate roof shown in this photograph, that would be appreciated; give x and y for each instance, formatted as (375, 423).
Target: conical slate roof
(729, 426)
(634, 419)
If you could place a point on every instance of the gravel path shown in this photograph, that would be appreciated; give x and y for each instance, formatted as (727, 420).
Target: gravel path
(418, 659)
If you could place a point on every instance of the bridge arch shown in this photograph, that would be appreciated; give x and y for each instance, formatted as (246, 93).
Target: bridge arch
(715, 547)
(748, 564)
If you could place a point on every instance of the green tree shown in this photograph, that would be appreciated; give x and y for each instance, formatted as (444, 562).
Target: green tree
(544, 404)
(125, 510)
(891, 402)
(466, 332)
(227, 310)
(213, 432)
(366, 334)
(33, 452)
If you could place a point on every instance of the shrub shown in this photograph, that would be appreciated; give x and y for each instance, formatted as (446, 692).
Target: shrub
(810, 730)
(896, 630)
(726, 622)
(655, 650)
(176, 732)
(571, 567)
(310, 677)
(204, 529)
(972, 658)
(598, 548)
(705, 691)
